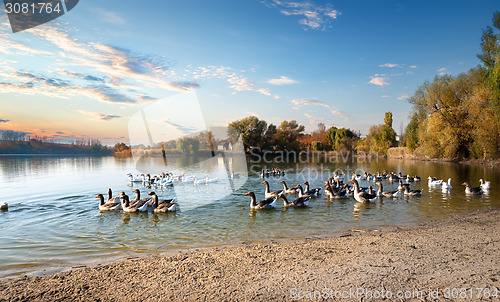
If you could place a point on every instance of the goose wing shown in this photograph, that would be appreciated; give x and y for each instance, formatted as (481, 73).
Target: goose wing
(266, 201)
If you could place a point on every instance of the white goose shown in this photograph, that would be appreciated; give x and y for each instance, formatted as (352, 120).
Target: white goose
(200, 181)
(133, 178)
(210, 180)
(433, 182)
(446, 186)
(485, 185)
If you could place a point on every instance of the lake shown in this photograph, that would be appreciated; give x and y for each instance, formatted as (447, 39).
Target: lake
(53, 222)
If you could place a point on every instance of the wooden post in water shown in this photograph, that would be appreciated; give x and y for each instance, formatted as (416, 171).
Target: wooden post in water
(211, 143)
(163, 150)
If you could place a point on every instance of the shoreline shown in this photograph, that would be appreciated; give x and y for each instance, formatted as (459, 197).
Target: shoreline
(457, 252)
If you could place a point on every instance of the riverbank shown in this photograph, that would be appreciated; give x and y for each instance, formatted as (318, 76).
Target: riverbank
(404, 154)
(459, 252)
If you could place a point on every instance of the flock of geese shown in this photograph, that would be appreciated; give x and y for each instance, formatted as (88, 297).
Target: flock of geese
(168, 179)
(335, 188)
(123, 203)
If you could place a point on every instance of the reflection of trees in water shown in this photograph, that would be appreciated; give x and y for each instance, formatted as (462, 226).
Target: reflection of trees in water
(21, 166)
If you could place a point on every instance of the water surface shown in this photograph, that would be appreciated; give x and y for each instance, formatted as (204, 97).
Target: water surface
(53, 220)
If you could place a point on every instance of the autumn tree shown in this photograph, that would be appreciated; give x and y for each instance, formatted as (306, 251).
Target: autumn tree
(288, 133)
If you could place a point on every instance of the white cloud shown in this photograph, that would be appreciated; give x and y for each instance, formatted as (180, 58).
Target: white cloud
(390, 65)
(313, 16)
(442, 71)
(403, 97)
(282, 81)
(385, 96)
(413, 66)
(264, 91)
(379, 81)
(307, 102)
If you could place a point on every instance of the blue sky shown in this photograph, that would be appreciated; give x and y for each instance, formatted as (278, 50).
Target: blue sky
(342, 63)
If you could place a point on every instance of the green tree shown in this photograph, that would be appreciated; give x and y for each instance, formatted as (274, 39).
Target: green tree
(251, 129)
(341, 139)
(269, 140)
(490, 56)
(188, 145)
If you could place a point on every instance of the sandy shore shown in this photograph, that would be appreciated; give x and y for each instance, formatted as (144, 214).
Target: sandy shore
(453, 258)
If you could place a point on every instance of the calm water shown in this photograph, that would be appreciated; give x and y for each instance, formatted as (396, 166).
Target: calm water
(53, 221)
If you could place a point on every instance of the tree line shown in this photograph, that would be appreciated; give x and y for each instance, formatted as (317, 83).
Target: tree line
(14, 142)
(458, 116)
(290, 136)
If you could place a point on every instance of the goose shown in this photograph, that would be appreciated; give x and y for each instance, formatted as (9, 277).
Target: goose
(301, 191)
(338, 176)
(339, 192)
(332, 193)
(312, 192)
(409, 179)
(4, 206)
(433, 182)
(107, 206)
(129, 208)
(356, 176)
(162, 206)
(409, 192)
(210, 180)
(470, 190)
(166, 181)
(362, 196)
(131, 178)
(200, 181)
(269, 203)
(446, 186)
(389, 194)
(187, 178)
(264, 174)
(393, 177)
(138, 200)
(287, 190)
(369, 177)
(112, 199)
(416, 178)
(371, 191)
(271, 194)
(400, 186)
(300, 202)
(485, 185)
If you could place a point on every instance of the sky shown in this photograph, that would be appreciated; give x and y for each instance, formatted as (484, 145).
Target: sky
(341, 63)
